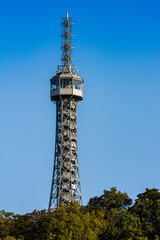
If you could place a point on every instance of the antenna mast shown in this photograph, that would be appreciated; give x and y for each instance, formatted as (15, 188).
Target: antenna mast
(66, 44)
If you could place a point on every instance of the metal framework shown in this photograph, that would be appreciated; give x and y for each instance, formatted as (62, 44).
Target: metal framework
(66, 93)
(66, 43)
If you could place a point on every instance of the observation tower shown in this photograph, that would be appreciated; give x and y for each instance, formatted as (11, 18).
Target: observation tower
(66, 91)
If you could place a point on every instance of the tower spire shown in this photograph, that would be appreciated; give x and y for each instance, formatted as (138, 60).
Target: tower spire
(66, 43)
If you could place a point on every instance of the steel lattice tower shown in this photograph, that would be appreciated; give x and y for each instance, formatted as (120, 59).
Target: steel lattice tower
(66, 91)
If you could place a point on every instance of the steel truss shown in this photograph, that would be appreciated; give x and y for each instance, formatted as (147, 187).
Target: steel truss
(66, 179)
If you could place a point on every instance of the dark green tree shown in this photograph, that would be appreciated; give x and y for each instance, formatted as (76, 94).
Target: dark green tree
(110, 200)
(121, 225)
(6, 220)
(147, 208)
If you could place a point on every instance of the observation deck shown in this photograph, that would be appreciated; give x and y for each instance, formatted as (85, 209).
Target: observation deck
(66, 84)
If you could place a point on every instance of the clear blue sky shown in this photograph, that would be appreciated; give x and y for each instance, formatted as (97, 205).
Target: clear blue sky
(117, 49)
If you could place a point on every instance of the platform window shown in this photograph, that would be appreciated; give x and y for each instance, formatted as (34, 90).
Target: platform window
(66, 83)
(54, 84)
(77, 84)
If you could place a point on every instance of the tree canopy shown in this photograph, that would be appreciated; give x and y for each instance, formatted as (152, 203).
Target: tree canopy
(111, 216)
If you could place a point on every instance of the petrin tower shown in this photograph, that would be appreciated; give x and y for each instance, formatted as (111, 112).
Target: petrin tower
(66, 91)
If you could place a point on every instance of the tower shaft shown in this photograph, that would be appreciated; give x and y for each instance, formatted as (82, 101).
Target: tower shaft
(66, 180)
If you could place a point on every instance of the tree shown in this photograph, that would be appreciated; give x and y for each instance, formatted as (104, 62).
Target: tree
(6, 220)
(110, 200)
(74, 222)
(66, 222)
(120, 224)
(147, 208)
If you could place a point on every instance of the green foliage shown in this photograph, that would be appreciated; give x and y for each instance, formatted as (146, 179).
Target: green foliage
(121, 225)
(5, 223)
(106, 217)
(147, 208)
(111, 199)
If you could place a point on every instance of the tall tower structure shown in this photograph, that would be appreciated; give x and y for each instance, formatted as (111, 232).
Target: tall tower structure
(66, 91)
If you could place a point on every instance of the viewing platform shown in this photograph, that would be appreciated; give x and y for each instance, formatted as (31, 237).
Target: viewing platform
(66, 84)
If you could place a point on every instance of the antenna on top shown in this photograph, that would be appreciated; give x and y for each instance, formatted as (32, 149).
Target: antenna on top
(66, 43)
(67, 15)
